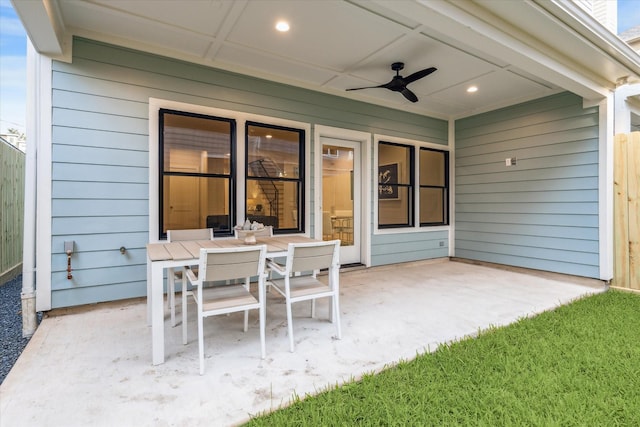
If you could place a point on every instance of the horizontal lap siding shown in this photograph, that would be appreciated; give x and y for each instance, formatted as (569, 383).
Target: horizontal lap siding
(100, 154)
(394, 248)
(541, 213)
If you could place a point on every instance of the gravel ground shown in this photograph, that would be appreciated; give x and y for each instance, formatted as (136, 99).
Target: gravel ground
(11, 325)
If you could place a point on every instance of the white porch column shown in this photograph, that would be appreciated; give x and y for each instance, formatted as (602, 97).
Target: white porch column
(28, 295)
(36, 278)
(605, 186)
(452, 188)
(39, 132)
(624, 108)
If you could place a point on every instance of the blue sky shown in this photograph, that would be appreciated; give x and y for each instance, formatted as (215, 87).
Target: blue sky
(13, 64)
(628, 14)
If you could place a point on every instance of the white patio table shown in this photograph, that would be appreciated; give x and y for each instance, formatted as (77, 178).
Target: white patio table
(179, 254)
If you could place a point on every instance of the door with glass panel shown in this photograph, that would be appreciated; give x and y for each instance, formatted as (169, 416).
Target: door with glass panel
(340, 206)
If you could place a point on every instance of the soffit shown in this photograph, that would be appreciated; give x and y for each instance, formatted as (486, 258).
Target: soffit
(513, 51)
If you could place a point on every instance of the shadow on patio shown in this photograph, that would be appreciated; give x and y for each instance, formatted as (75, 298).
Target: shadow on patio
(92, 365)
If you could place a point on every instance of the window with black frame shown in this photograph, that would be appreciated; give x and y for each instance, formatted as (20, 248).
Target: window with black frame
(395, 185)
(275, 176)
(197, 182)
(434, 187)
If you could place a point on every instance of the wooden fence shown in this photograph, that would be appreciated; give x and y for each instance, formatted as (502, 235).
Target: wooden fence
(627, 211)
(11, 210)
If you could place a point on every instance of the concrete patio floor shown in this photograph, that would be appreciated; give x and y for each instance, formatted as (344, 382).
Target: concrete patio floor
(92, 365)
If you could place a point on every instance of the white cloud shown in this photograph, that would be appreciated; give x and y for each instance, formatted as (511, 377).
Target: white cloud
(13, 90)
(13, 70)
(11, 26)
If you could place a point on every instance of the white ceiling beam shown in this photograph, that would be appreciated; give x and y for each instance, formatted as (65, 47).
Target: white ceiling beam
(45, 28)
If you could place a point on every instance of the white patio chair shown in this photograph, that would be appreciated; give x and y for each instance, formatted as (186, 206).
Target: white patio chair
(173, 274)
(305, 258)
(225, 264)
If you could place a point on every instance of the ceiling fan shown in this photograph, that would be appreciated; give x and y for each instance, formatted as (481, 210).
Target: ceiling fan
(399, 83)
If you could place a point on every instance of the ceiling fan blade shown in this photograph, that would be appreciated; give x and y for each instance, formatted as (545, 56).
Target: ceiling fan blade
(399, 83)
(419, 74)
(409, 95)
(369, 87)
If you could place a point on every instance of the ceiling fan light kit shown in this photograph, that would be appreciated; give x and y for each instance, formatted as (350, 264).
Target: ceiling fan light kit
(399, 83)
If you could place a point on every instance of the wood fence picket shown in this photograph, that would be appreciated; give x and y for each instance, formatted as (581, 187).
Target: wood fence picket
(627, 211)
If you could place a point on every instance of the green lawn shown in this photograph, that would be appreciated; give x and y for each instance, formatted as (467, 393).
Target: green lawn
(577, 365)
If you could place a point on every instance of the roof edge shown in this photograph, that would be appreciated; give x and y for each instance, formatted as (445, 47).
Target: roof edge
(595, 32)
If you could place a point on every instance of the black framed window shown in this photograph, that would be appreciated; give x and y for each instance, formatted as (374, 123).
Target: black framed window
(395, 185)
(275, 176)
(197, 173)
(434, 187)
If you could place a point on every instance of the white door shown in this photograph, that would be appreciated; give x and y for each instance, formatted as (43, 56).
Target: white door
(340, 204)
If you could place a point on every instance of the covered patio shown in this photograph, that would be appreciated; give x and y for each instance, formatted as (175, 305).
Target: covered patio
(92, 365)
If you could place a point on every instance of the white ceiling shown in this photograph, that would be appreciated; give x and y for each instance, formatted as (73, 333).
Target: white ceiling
(513, 51)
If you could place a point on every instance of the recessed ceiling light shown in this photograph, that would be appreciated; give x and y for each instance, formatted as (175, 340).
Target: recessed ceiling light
(269, 136)
(472, 89)
(282, 26)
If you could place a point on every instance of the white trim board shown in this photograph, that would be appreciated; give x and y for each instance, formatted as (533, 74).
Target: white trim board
(364, 138)
(241, 118)
(39, 128)
(416, 227)
(605, 187)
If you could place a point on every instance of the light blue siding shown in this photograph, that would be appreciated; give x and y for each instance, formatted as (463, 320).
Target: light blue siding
(395, 248)
(541, 213)
(102, 207)
(100, 167)
(99, 224)
(79, 137)
(91, 294)
(97, 242)
(99, 173)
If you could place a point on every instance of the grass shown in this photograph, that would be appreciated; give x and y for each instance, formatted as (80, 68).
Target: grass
(578, 365)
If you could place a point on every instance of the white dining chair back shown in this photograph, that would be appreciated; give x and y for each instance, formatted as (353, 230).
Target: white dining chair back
(192, 234)
(225, 264)
(174, 275)
(231, 264)
(310, 258)
(300, 279)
